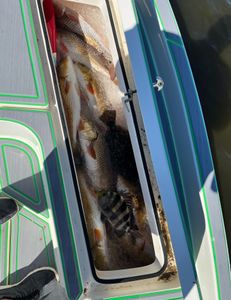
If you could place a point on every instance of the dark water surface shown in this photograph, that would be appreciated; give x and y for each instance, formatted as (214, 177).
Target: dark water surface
(206, 29)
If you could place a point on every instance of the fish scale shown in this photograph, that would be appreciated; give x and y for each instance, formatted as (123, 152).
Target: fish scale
(83, 53)
(70, 95)
(91, 84)
(74, 22)
(96, 156)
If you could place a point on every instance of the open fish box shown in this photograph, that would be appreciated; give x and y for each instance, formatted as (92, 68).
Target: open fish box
(120, 232)
(123, 233)
(118, 207)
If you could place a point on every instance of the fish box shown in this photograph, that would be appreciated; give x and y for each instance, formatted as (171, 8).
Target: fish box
(117, 204)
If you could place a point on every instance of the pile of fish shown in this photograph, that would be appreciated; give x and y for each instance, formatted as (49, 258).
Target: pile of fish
(114, 208)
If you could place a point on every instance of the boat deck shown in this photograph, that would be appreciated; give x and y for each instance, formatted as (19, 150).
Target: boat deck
(32, 172)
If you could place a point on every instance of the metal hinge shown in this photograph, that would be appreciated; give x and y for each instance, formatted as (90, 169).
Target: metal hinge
(130, 93)
(128, 97)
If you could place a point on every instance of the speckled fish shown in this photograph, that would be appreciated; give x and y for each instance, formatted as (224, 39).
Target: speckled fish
(83, 53)
(96, 156)
(96, 94)
(71, 97)
(72, 21)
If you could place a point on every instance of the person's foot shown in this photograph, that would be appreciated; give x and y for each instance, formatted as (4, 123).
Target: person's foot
(31, 286)
(8, 208)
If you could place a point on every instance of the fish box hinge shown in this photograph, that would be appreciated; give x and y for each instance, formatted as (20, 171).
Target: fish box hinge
(128, 97)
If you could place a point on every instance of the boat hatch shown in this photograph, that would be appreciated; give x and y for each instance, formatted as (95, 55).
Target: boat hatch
(119, 210)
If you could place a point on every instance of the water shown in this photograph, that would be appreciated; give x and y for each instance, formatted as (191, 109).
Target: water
(206, 29)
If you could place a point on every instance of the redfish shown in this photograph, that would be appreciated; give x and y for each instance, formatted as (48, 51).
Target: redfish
(95, 226)
(71, 44)
(72, 21)
(113, 95)
(71, 97)
(96, 155)
(96, 93)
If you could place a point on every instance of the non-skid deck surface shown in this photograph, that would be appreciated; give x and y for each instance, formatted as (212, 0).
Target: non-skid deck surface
(20, 78)
(41, 234)
(31, 171)
(26, 244)
(26, 241)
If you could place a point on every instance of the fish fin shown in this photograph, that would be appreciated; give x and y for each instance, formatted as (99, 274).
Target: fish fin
(91, 151)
